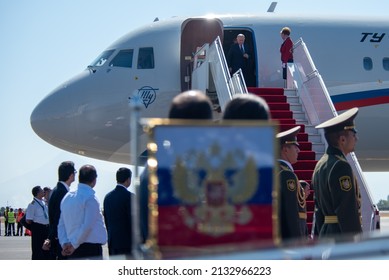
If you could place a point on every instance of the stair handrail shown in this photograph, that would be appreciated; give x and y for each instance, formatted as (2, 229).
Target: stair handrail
(319, 108)
(314, 95)
(200, 73)
(239, 84)
(220, 73)
(211, 57)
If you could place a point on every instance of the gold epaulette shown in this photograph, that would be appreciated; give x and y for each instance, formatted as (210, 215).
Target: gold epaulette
(341, 158)
(302, 215)
(331, 219)
(285, 168)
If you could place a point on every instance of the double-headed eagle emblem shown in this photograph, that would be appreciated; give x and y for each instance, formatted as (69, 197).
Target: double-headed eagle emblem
(213, 187)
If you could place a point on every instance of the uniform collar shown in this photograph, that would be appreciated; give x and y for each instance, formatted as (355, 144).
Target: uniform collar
(335, 151)
(286, 163)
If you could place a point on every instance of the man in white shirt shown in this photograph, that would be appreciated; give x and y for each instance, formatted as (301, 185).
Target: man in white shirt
(81, 229)
(37, 216)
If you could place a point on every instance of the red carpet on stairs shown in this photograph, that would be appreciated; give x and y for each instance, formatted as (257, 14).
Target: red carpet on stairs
(280, 111)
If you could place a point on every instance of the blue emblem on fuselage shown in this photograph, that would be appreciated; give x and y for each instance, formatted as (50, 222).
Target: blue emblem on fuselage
(147, 95)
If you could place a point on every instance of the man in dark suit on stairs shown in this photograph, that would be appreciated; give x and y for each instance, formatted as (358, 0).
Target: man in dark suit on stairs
(117, 215)
(239, 57)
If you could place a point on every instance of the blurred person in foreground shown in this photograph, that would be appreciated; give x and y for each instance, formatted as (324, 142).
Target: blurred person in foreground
(246, 107)
(192, 104)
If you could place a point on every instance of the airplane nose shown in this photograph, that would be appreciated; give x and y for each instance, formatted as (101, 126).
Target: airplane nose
(51, 119)
(85, 116)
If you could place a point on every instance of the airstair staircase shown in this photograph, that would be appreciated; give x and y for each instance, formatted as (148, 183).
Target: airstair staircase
(288, 111)
(304, 102)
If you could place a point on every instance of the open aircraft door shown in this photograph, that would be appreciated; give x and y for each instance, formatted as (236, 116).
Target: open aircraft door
(195, 32)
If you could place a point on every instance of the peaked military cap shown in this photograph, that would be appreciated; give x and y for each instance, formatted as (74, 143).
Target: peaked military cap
(344, 121)
(289, 136)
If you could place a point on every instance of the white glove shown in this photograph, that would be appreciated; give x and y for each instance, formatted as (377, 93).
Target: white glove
(283, 65)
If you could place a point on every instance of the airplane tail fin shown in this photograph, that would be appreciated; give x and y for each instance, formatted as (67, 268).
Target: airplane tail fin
(272, 7)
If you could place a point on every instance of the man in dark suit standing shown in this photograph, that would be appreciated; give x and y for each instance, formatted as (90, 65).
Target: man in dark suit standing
(238, 58)
(117, 215)
(66, 175)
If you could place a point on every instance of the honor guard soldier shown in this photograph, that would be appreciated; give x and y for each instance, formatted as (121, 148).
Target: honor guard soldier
(305, 190)
(337, 196)
(292, 201)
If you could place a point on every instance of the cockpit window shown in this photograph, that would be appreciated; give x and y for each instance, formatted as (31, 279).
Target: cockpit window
(123, 59)
(102, 58)
(146, 58)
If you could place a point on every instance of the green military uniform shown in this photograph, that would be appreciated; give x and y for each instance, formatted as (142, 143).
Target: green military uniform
(291, 205)
(337, 196)
(302, 203)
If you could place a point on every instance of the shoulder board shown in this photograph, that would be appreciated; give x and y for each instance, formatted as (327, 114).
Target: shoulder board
(284, 168)
(341, 158)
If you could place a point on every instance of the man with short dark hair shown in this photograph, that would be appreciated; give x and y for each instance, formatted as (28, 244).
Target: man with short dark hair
(81, 229)
(246, 107)
(117, 215)
(37, 216)
(191, 104)
(66, 176)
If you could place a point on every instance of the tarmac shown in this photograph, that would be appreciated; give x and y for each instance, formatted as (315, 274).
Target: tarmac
(19, 247)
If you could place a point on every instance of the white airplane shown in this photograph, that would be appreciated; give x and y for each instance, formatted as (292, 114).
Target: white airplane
(90, 113)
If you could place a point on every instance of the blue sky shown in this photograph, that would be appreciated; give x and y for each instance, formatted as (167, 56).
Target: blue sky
(46, 42)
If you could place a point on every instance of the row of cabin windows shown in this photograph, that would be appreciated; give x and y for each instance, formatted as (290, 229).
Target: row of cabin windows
(146, 59)
(124, 58)
(368, 63)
